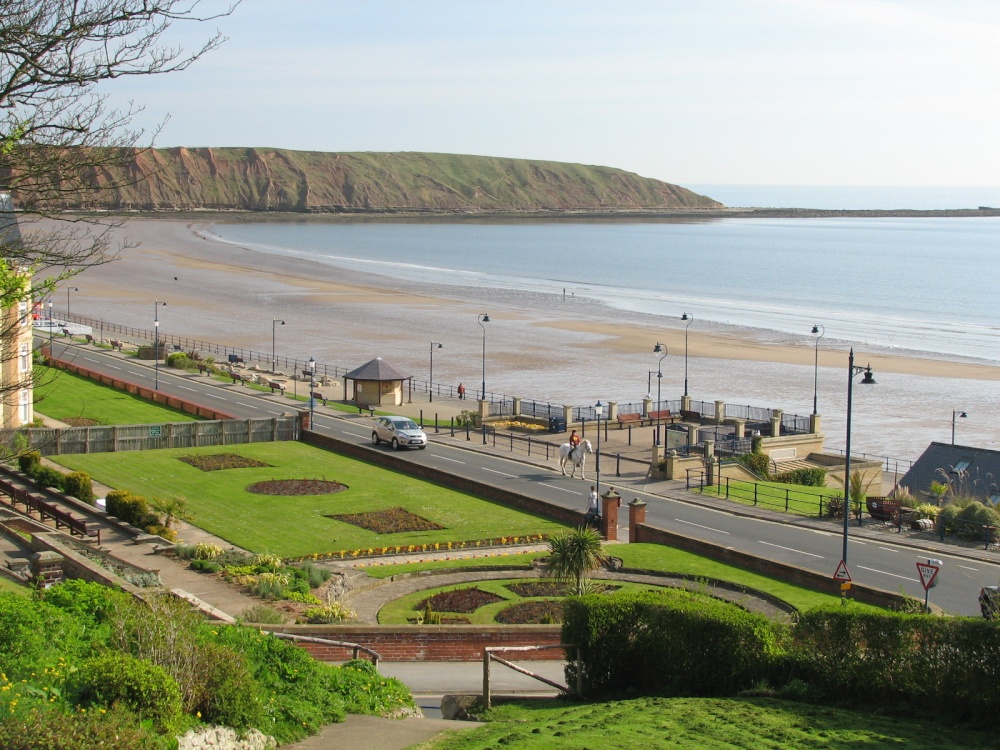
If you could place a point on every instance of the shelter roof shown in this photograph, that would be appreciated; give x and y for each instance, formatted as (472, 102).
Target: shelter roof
(377, 369)
(971, 471)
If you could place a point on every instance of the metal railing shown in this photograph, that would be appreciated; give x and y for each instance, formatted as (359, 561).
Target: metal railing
(489, 656)
(356, 648)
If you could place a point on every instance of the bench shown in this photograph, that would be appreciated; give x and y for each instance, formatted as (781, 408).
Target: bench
(317, 396)
(237, 377)
(202, 368)
(688, 415)
(632, 418)
(365, 407)
(659, 416)
(116, 344)
(65, 332)
(882, 508)
(235, 359)
(274, 385)
(90, 338)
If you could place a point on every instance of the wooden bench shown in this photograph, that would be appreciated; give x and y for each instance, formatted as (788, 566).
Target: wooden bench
(365, 407)
(632, 418)
(662, 415)
(202, 368)
(691, 416)
(65, 332)
(317, 396)
(90, 338)
(236, 360)
(274, 385)
(116, 344)
(882, 508)
(237, 377)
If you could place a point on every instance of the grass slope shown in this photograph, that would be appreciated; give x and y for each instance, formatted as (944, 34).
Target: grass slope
(703, 724)
(298, 525)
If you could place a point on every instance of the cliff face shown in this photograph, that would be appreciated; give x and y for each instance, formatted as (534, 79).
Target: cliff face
(249, 179)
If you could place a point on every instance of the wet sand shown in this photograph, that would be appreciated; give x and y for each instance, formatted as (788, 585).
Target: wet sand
(538, 346)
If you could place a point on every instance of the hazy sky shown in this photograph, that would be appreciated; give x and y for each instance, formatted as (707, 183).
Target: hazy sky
(852, 92)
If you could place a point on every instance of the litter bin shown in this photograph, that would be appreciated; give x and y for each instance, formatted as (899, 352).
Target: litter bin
(557, 424)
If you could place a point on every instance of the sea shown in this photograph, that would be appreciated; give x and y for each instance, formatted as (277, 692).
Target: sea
(907, 285)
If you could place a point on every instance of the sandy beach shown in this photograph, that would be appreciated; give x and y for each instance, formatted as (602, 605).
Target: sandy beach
(538, 346)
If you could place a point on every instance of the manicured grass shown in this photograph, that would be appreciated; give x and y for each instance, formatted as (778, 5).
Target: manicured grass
(10, 587)
(399, 611)
(792, 498)
(293, 526)
(64, 396)
(699, 723)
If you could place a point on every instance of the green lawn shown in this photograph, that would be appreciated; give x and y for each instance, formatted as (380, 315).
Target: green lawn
(67, 397)
(793, 498)
(704, 723)
(293, 526)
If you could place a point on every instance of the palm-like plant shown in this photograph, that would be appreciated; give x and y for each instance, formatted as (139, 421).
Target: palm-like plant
(574, 554)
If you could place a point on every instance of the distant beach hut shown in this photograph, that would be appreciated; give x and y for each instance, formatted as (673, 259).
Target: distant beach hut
(377, 383)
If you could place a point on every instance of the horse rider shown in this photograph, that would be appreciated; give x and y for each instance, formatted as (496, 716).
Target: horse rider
(574, 442)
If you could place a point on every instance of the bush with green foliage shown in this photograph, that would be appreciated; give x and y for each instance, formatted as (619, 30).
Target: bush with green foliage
(815, 477)
(966, 519)
(204, 566)
(46, 476)
(262, 614)
(121, 679)
(758, 463)
(56, 729)
(228, 694)
(77, 484)
(35, 636)
(672, 642)
(27, 462)
(180, 360)
(132, 509)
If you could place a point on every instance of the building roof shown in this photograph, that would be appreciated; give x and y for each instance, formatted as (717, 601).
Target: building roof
(377, 369)
(971, 471)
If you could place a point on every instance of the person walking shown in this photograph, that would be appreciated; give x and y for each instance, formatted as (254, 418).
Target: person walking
(592, 506)
(461, 392)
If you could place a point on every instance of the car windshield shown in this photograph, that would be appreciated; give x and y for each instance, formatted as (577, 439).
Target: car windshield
(404, 424)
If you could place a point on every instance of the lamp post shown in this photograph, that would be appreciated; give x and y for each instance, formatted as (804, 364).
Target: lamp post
(68, 290)
(956, 413)
(50, 327)
(312, 390)
(690, 319)
(852, 370)
(430, 382)
(599, 411)
(274, 325)
(156, 343)
(483, 318)
(659, 379)
(818, 331)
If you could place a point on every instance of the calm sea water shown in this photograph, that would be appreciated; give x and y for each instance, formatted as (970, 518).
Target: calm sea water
(894, 284)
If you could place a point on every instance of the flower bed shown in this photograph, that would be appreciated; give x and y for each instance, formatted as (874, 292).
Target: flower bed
(413, 549)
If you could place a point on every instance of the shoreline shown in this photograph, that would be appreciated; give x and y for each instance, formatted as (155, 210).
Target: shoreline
(537, 345)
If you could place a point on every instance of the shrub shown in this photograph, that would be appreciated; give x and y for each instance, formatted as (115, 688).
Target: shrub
(207, 551)
(92, 602)
(366, 691)
(808, 477)
(758, 463)
(179, 360)
(267, 560)
(663, 642)
(132, 509)
(205, 566)
(55, 730)
(35, 635)
(925, 510)
(334, 612)
(262, 614)
(46, 476)
(78, 485)
(27, 462)
(271, 585)
(228, 690)
(121, 679)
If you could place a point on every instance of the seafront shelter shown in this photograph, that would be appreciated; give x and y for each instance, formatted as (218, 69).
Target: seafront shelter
(377, 383)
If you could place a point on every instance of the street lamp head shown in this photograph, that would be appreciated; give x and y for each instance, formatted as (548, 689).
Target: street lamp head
(435, 344)
(484, 318)
(957, 413)
(660, 348)
(818, 329)
(275, 321)
(312, 364)
(868, 379)
(599, 409)
(688, 317)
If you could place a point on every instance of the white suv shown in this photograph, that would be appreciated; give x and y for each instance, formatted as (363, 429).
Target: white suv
(399, 432)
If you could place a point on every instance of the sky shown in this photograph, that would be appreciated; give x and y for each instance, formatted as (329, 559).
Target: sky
(800, 92)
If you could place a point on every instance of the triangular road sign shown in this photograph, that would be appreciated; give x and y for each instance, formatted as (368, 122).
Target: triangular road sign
(842, 575)
(928, 573)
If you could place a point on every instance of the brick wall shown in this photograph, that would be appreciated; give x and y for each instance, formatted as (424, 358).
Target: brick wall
(427, 642)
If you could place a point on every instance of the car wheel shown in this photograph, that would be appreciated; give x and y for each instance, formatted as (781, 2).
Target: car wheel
(375, 440)
(395, 444)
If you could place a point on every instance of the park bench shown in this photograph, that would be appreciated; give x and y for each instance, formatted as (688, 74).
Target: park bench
(632, 418)
(317, 396)
(235, 359)
(237, 377)
(65, 332)
(202, 368)
(663, 415)
(687, 415)
(882, 508)
(90, 338)
(274, 385)
(365, 407)
(116, 344)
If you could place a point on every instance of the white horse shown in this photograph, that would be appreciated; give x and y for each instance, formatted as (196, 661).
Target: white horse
(576, 456)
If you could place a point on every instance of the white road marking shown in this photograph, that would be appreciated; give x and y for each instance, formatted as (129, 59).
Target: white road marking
(354, 434)
(561, 489)
(453, 460)
(494, 471)
(889, 549)
(966, 567)
(873, 570)
(789, 549)
(184, 387)
(221, 398)
(707, 528)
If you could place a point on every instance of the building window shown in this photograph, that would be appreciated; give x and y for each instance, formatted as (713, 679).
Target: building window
(22, 312)
(25, 406)
(961, 466)
(24, 358)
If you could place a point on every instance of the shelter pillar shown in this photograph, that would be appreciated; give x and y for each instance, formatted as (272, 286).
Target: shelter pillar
(636, 515)
(611, 501)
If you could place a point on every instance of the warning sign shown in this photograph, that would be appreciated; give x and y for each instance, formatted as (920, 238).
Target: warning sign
(842, 575)
(928, 574)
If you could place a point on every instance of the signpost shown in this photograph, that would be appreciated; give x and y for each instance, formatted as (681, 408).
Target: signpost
(844, 576)
(928, 578)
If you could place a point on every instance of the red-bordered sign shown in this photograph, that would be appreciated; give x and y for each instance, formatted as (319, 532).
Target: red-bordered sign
(928, 574)
(842, 574)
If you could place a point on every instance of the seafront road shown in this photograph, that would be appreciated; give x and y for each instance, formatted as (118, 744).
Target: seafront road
(877, 557)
